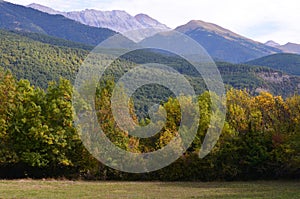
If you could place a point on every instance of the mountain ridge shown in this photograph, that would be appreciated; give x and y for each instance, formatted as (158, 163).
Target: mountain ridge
(193, 24)
(286, 48)
(272, 43)
(117, 20)
(291, 48)
(223, 44)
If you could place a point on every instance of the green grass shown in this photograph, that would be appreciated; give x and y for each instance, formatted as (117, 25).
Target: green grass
(81, 189)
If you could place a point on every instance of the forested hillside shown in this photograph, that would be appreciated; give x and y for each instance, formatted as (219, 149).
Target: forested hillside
(285, 62)
(53, 40)
(40, 59)
(36, 61)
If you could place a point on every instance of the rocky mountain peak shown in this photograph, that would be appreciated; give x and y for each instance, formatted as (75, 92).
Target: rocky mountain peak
(272, 43)
(117, 20)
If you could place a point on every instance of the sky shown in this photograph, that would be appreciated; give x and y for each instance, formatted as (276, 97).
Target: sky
(260, 20)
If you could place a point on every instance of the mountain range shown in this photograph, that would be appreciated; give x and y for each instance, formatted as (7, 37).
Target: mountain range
(117, 20)
(287, 48)
(90, 27)
(220, 43)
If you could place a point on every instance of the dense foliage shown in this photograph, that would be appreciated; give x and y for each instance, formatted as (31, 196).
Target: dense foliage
(37, 126)
(53, 40)
(256, 79)
(27, 57)
(260, 138)
(38, 62)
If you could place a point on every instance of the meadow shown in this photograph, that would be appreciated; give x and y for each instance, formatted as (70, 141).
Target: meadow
(110, 189)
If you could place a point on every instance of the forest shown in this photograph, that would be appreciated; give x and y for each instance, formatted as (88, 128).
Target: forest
(260, 138)
(40, 59)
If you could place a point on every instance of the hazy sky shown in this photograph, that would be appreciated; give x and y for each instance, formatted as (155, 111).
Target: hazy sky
(260, 20)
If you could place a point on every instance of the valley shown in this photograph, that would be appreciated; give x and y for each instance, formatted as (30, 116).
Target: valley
(254, 125)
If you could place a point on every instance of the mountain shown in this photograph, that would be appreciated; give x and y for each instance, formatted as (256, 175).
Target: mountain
(148, 22)
(272, 44)
(286, 62)
(286, 48)
(291, 48)
(44, 9)
(20, 18)
(117, 20)
(223, 44)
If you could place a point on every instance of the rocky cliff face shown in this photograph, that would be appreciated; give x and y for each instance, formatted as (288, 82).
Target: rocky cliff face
(117, 20)
(149, 22)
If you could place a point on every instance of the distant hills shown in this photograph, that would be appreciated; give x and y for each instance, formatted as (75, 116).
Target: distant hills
(223, 44)
(287, 48)
(20, 18)
(291, 48)
(286, 62)
(30, 58)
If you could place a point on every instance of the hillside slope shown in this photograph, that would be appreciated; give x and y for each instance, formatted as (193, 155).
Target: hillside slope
(41, 62)
(286, 62)
(36, 61)
(223, 44)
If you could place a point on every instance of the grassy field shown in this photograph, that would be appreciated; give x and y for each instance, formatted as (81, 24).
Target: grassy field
(81, 189)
